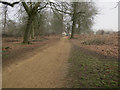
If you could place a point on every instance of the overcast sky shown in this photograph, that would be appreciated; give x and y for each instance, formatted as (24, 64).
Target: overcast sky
(108, 17)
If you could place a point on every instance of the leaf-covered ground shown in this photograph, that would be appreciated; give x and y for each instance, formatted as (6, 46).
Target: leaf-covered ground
(104, 44)
(13, 49)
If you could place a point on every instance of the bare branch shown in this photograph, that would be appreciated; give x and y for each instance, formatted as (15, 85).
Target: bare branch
(26, 7)
(36, 5)
(43, 6)
(10, 4)
(53, 4)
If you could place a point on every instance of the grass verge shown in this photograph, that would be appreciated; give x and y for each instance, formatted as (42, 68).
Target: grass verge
(87, 71)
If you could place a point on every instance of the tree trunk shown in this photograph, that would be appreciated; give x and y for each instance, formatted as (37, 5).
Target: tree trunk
(31, 11)
(27, 31)
(73, 19)
(5, 16)
(79, 29)
(32, 30)
(73, 27)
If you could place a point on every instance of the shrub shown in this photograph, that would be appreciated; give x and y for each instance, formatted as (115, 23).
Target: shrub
(94, 42)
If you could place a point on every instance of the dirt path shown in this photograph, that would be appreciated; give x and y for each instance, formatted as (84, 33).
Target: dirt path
(46, 69)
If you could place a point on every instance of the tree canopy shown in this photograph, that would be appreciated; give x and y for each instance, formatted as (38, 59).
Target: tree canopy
(55, 17)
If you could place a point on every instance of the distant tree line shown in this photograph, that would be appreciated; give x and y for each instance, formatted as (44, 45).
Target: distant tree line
(47, 17)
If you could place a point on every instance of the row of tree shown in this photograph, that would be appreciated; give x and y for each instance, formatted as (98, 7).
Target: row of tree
(53, 17)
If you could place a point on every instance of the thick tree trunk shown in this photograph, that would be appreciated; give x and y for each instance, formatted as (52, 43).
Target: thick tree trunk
(74, 20)
(79, 29)
(27, 31)
(73, 27)
(31, 11)
(32, 31)
(5, 16)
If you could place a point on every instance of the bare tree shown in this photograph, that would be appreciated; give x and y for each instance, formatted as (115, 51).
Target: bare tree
(5, 17)
(79, 13)
(31, 10)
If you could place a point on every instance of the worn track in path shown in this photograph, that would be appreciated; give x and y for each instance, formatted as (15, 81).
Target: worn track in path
(46, 69)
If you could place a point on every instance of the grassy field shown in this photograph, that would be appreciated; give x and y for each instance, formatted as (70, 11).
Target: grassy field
(88, 71)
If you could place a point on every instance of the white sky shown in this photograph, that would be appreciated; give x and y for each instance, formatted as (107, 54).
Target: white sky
(108, 17)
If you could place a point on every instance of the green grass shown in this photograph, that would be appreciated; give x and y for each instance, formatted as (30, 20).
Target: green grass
(87, 71)
(5, 54)
(17, 44)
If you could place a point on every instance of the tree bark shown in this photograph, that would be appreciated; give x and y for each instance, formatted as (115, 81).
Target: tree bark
(73, 19)
(27, 31)
(32, 30)
(73, 27)
(79, 28)
(5, 16)
(29, 28)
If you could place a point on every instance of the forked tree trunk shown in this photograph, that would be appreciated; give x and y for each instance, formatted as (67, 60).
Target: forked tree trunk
(31, 11)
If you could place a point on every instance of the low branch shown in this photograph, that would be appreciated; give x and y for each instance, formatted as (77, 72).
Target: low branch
(10, 4)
